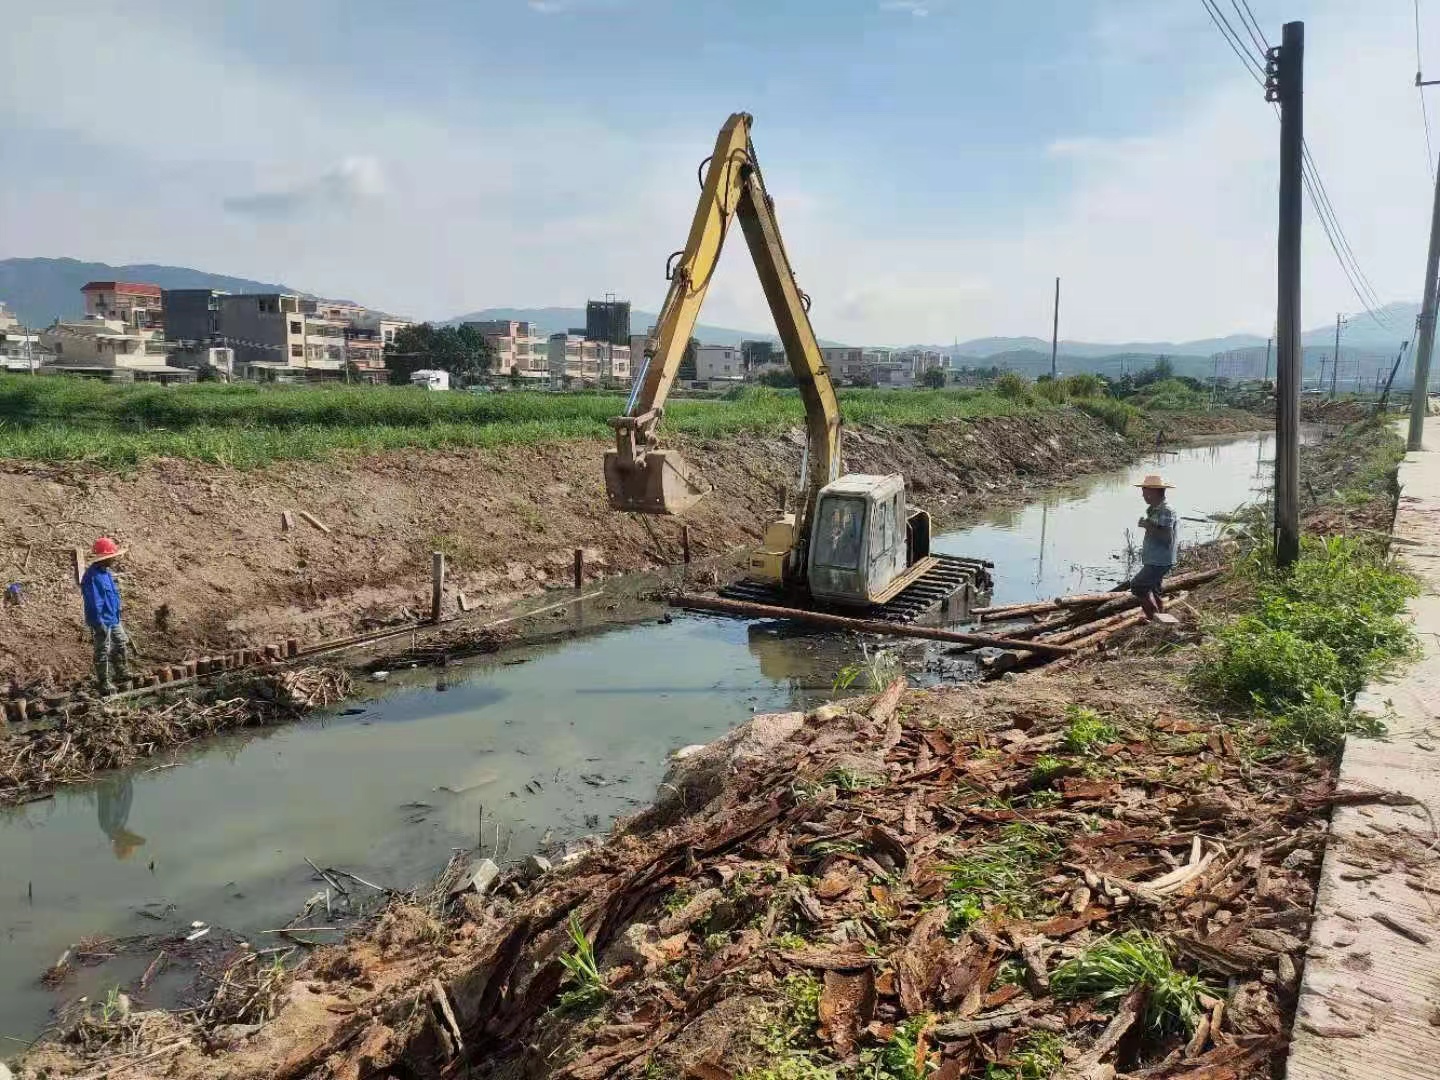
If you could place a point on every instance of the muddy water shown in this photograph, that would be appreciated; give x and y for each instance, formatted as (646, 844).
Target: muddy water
(550, 742)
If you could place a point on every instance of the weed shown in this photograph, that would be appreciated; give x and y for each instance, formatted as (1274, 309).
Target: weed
(875, 671)
(850, 779)
(788, 941)
(111, 1009)
(587, 986)
(1038, 1057)
(1043, 799)
(1316, 635)
(715, 942)
(1046, 768)
(904, 1055)
(1086, 730)
(1116, 415)
(1115, 965)
(795, 1066)
(999, 874)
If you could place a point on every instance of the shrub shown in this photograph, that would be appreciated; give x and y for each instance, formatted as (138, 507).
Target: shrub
(1012, 386)
(1051, 391)
(1087, 385)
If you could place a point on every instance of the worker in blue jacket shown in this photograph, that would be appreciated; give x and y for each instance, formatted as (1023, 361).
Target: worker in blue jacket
(102, 613)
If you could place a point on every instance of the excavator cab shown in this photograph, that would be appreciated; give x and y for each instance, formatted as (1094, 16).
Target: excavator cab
(864, 540)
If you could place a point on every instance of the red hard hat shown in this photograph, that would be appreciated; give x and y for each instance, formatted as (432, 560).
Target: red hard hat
(105, 548)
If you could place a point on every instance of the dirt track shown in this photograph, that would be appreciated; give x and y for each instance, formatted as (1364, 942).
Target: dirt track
(210, 566)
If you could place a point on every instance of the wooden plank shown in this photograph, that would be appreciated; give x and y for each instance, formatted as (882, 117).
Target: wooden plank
(695, 602)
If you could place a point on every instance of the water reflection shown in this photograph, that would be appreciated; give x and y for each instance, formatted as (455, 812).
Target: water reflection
(113, 797)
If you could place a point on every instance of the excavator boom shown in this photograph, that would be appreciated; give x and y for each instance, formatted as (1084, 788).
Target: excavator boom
(641, 477)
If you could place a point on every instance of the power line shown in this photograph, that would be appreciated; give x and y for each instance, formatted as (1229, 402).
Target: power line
(1314, 185)
(1251, 26)
(1420, 91)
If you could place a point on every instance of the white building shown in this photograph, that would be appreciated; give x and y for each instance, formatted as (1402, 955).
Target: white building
(719, 363)
(519, 349)
(576, 358)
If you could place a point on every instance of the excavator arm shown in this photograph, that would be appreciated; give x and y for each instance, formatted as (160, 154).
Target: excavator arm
(639, 475)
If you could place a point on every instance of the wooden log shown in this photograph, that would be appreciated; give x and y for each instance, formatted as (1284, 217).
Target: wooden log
(292, 646)
(695, 602)
(287, 521)
(1105, 599)
(1076, 637)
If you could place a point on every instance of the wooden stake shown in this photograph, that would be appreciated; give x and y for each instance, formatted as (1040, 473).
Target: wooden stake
(313, 520)
(437, 584)
(579, 568)
(685, 543)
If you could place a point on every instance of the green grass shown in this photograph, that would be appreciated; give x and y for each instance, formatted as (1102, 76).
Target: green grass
(64, 419)
(997, 875)
(1113, 966)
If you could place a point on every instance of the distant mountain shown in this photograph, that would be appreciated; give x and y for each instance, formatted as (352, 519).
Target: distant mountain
(39, 291)
(555, 320)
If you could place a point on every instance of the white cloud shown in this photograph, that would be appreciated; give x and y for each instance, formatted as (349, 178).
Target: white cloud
(340, 187)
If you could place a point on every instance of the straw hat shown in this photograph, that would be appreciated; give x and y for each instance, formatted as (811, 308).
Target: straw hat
(1153, 481)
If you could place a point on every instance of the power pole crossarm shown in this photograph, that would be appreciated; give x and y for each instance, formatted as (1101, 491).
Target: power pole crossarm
(1285, 84)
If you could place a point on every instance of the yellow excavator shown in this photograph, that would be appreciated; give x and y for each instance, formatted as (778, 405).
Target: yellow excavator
(853, 541)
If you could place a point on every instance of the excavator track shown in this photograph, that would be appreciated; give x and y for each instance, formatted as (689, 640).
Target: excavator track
(944, 593)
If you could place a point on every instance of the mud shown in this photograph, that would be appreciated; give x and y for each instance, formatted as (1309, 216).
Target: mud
(211, 566)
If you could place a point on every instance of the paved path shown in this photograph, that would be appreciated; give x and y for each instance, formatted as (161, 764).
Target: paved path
(1370, 999)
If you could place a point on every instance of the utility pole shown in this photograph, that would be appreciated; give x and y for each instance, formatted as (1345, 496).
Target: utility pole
(1055, 330)
(1419, 391)
(1269, 341)
(1285, 81)
(1335, 370)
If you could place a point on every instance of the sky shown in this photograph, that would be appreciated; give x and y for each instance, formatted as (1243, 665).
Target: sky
(935, 164)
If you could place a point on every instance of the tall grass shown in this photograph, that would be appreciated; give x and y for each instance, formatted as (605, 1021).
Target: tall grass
(62, 419)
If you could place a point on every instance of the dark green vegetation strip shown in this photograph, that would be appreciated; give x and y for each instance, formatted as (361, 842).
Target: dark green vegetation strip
(63, 419)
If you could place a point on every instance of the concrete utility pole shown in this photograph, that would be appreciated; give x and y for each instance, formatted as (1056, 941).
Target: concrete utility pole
(1055, 330)
(1335, 370)
(1269, 343)
(1285, 82)
(1419, 392)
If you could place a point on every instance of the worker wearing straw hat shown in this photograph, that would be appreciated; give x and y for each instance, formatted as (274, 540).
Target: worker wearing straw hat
(102, 613)
(1161, 529)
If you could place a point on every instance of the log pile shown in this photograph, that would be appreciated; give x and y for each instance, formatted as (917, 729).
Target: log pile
(1081, 623)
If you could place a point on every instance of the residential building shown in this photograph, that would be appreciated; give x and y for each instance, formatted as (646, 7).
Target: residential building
(282, 335)
(192, 316)
(7, 320)
(20, 348)
(136, 304)
(576, 358)
(608, 320)
(718, 363)
(846, 364)
(111, 348)
(520, 351)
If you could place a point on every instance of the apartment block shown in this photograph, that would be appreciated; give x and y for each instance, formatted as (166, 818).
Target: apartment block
(608, 320)
(846, 364)
(136, 304)
(577, 359)
(520, 350)
(192, 316)
(108, 348)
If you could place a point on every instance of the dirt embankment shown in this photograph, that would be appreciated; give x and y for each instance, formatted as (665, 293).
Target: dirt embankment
(211, 567)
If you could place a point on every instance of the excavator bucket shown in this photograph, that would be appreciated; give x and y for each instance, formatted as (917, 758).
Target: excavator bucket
(660, 483)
